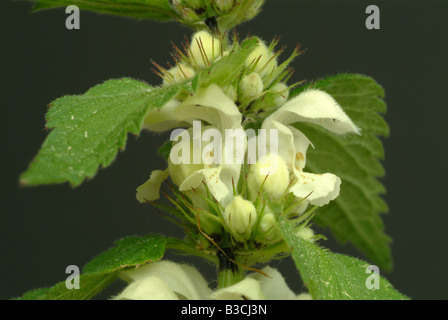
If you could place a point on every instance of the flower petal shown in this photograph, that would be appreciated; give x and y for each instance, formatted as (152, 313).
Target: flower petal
(150, 288)
(182, 279)
(163, 119)
(275, 287)
(247, 289)
(318, 189)
(304, 296)
(150, 190)
(211, 177)
(292, 143)
(210, 105)
(301, 144)
(317, 107)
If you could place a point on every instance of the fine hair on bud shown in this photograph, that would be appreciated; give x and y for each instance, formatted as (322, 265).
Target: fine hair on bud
(269, 176)
(240, 216)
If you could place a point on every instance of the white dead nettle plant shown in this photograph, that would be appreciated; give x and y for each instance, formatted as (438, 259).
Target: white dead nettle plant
(239, 184)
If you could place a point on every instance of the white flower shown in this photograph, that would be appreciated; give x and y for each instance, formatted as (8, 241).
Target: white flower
(211, 106)
(316, 107)
(166, 280)
(163, 119)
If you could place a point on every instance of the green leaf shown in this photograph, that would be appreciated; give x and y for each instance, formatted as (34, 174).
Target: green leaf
(160, 10)
(225, 70)
(88, 130)
(355, 215)
(34, 294)
(331, 276)
(129, 252)
(165, 149)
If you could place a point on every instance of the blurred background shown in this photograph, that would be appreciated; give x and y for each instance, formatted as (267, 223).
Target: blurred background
(45, 229)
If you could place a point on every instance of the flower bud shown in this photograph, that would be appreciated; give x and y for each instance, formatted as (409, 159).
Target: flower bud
(254, 9)
(193, 4)
(240, 216)
(306, 234)
(263, 59)
(187, 14)
(204, 49)
(268, 228)
(223, 5)
(270, 172)
(281, 93)
(299, 209)
(179, 73)
(251, 86)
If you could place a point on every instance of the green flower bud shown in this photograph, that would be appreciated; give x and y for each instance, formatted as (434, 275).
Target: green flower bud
(298, 209)
(251, 86)
(270, 172)
(179, 73)
(240, 216)
(187, 15)
(193, 4)
(263, 59)
(281, 93)
(268, 228)
(306, 234)
(223, 5)
(254, 9)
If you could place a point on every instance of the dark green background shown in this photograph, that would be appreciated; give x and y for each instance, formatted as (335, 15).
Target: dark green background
(45, 229)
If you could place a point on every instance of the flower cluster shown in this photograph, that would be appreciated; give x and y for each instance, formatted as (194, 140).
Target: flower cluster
(239, 153)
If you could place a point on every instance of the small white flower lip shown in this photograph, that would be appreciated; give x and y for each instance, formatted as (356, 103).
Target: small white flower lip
(150, 190)
(318, 189)
(211, 176)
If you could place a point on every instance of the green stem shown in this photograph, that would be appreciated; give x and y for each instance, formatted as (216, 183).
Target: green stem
(229, 272)
(228, 277)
